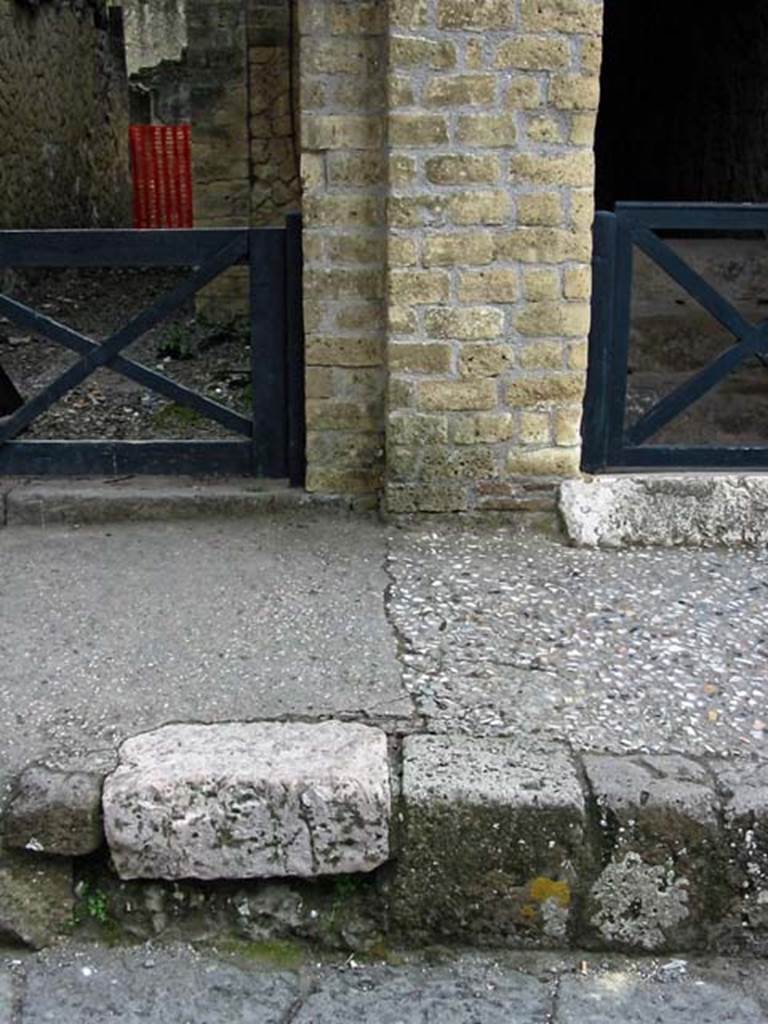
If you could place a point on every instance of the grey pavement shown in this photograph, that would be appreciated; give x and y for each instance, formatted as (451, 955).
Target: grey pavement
(155, 984)
(110, 630)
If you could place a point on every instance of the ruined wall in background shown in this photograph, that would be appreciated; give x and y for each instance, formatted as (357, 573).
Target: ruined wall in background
(156, 56)
(63, 117)
(244, 159)
(155, 31)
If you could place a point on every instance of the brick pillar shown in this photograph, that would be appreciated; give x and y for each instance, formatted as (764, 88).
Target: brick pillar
(343, 105)
(491, 121)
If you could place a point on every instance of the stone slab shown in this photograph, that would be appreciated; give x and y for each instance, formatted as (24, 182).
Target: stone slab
(56, 502)
(493, 840)
(6, 997)
(668, 510)
(55, 812)
(455, 994)
(88, 984)
(256, 800)
(663, 881)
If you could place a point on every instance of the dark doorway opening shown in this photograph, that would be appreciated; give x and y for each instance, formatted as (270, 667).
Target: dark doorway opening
(683, 120)
(684, 108)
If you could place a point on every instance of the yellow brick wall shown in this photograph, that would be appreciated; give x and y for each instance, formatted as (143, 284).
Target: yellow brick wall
(490, 129)
(343, 170)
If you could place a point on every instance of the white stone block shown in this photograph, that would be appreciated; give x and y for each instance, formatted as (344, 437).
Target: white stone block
(256, 800)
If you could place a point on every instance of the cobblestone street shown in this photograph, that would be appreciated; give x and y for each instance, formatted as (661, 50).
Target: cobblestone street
(154, 984)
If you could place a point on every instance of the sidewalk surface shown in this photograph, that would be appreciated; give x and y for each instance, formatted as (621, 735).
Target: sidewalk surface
(154, 985)
(111, 630)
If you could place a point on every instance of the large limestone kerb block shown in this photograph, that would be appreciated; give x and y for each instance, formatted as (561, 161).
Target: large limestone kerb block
(252, 800)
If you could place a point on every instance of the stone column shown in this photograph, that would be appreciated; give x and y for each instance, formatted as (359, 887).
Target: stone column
(491, 121)
(343, 107)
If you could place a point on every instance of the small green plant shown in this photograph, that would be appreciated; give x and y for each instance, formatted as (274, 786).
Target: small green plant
(284, 954)
(92, 905)
(176, 417)
(96, 906)
(176, 343)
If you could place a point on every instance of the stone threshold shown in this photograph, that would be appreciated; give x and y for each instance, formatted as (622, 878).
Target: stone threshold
(91, 501)
(335, 834)
(696, 509)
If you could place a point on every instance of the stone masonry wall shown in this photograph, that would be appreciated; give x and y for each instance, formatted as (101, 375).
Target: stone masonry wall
(155, 30)
(63, 117)
(343, 135)
(491, 125)
(244, 160)
(480, 219)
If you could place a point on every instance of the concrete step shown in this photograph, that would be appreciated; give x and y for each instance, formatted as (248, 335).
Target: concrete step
(336, 834)
(80, 502)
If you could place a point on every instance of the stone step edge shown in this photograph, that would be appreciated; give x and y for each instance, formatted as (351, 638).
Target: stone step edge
(492, 843)
(82, 502)
(666, 509)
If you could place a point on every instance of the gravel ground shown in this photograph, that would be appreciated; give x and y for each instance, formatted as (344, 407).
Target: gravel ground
(618, 650)
(152, 985)
(210, 358)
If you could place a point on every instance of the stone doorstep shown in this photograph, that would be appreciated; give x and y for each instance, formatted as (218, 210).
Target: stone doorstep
(666, 510)
(66, 502)
(488, 841)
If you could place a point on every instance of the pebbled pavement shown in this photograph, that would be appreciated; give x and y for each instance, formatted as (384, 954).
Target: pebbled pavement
(652, 650)
(154, 984)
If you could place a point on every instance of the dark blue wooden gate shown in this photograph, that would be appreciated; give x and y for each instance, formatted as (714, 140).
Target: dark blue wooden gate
(270, 443)
(608, 443)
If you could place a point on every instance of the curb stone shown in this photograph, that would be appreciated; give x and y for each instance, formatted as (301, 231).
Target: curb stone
(55, 812)
(745, 821)
(663, 853)
(493, 843)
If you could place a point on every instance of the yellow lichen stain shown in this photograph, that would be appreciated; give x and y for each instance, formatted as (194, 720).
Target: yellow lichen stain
(542, 889)
(529, 911)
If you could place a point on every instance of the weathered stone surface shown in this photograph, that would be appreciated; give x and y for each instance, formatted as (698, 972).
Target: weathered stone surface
(36, 899)
(6, 997)
(744, 789)
(141, 986)
(663, 876)
(249, 800)
(55, 812)
(457, 993)
(64, 118)
(672, 510)
(494, 841)
(623, 995)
